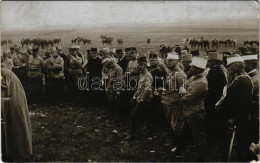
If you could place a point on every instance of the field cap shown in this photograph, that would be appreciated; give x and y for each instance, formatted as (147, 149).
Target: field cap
(184, 52)
(77, 47)
(215, 56)
(172, 56)
(187, 57)
(234, 59)
(58, 47)
(199, 62)
(93, 50)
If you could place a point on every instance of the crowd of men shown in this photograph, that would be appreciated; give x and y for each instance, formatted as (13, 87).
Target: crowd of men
(206, 97)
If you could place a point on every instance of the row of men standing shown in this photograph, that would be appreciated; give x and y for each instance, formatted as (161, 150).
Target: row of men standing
(188, 94)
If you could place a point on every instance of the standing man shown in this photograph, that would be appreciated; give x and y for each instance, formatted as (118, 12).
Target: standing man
(142, 98)
(251, 67)
(171, 97)
(237, 103)
(94, 68)
(75, 72)
(55, 65)
(122, 61)
(8, 63)
(186, 60)
(192, 99)
(36, 65)
(16, 127)
(20, 66)
(217, 80)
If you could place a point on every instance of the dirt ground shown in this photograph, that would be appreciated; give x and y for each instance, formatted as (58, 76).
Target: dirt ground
(78, 133)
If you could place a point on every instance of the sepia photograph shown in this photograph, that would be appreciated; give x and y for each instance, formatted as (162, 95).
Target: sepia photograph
(130, 81)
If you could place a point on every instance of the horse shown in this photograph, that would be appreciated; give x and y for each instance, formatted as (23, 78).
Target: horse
(120, 41)
(148, 41)
(214, 44)
(86, 41)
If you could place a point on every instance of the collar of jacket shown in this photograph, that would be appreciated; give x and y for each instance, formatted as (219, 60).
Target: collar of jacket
(252, 73)
(198, 76)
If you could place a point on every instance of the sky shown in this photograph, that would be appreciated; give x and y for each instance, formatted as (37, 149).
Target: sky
(32, 14)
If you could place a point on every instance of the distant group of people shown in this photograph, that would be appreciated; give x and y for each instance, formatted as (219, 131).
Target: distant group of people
(203, 98)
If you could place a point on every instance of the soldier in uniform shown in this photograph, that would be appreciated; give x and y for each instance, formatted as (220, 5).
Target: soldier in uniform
(186, 60)
(122, 61)
(36, 65)
(75, 72)
(65, 66)
(251, 67)
(170, 95)
(142, 98)
(217, 80)
(192, 100)
(237, 103)
(94, 68)
(55, 65)
(12, 51)
(20, 66)
(114, 84)
(8, 63)
(158, 81)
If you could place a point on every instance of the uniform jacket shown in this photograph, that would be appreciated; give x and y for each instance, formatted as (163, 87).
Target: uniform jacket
(94, 67)
(175, 79)
(56, 67)
(132, 67)
(35, 66)
(123, 62)
(144, 90)
(193, 99)
(216, 82)
(238, 99)
(75, 65)
(158, 76)
(254, 112)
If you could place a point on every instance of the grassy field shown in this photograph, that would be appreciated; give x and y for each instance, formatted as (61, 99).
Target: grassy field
(78, 133)
(135, 36)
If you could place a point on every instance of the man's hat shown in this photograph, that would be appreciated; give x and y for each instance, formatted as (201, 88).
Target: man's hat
(106, 60)
(53, 49)
(29, 47)
(130, 49)
(152, 54)
(172, 56)
(235, 58)
(72, 47)
(142, 59)
(35, 49)
(199, 62)
(187, 57)
(118, 51)
(11, 48)
(215, 56)
(93, 50)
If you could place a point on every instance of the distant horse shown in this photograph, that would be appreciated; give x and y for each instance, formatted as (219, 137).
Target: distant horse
(251, 43)
(148, 41)
(4, 42)
(120, 41)
(165, 50)
(107, 41)
(86, 41)
(225, 43)
(214, 44)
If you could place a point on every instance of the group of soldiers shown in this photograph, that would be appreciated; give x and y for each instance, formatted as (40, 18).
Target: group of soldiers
(206, 97)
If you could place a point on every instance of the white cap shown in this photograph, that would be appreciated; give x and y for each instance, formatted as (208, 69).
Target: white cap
(249, 57)
(184, 52)
(199, 62)
(106, 50)
(236, 58)
(77, 47)
(172, 56)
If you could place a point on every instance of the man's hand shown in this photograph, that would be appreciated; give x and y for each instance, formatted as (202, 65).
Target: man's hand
(182, 91)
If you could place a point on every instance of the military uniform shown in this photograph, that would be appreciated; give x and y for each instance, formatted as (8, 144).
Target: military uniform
(254, 107)
(171, 97)
(123, 63)
(216, 82)
(19, 68)
(144, 93)
(55, 65)
(193, 106)
(75, 72)
(236, 106)
(36, 64)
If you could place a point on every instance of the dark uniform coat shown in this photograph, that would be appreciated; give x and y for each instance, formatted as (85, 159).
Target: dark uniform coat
(123, 63)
